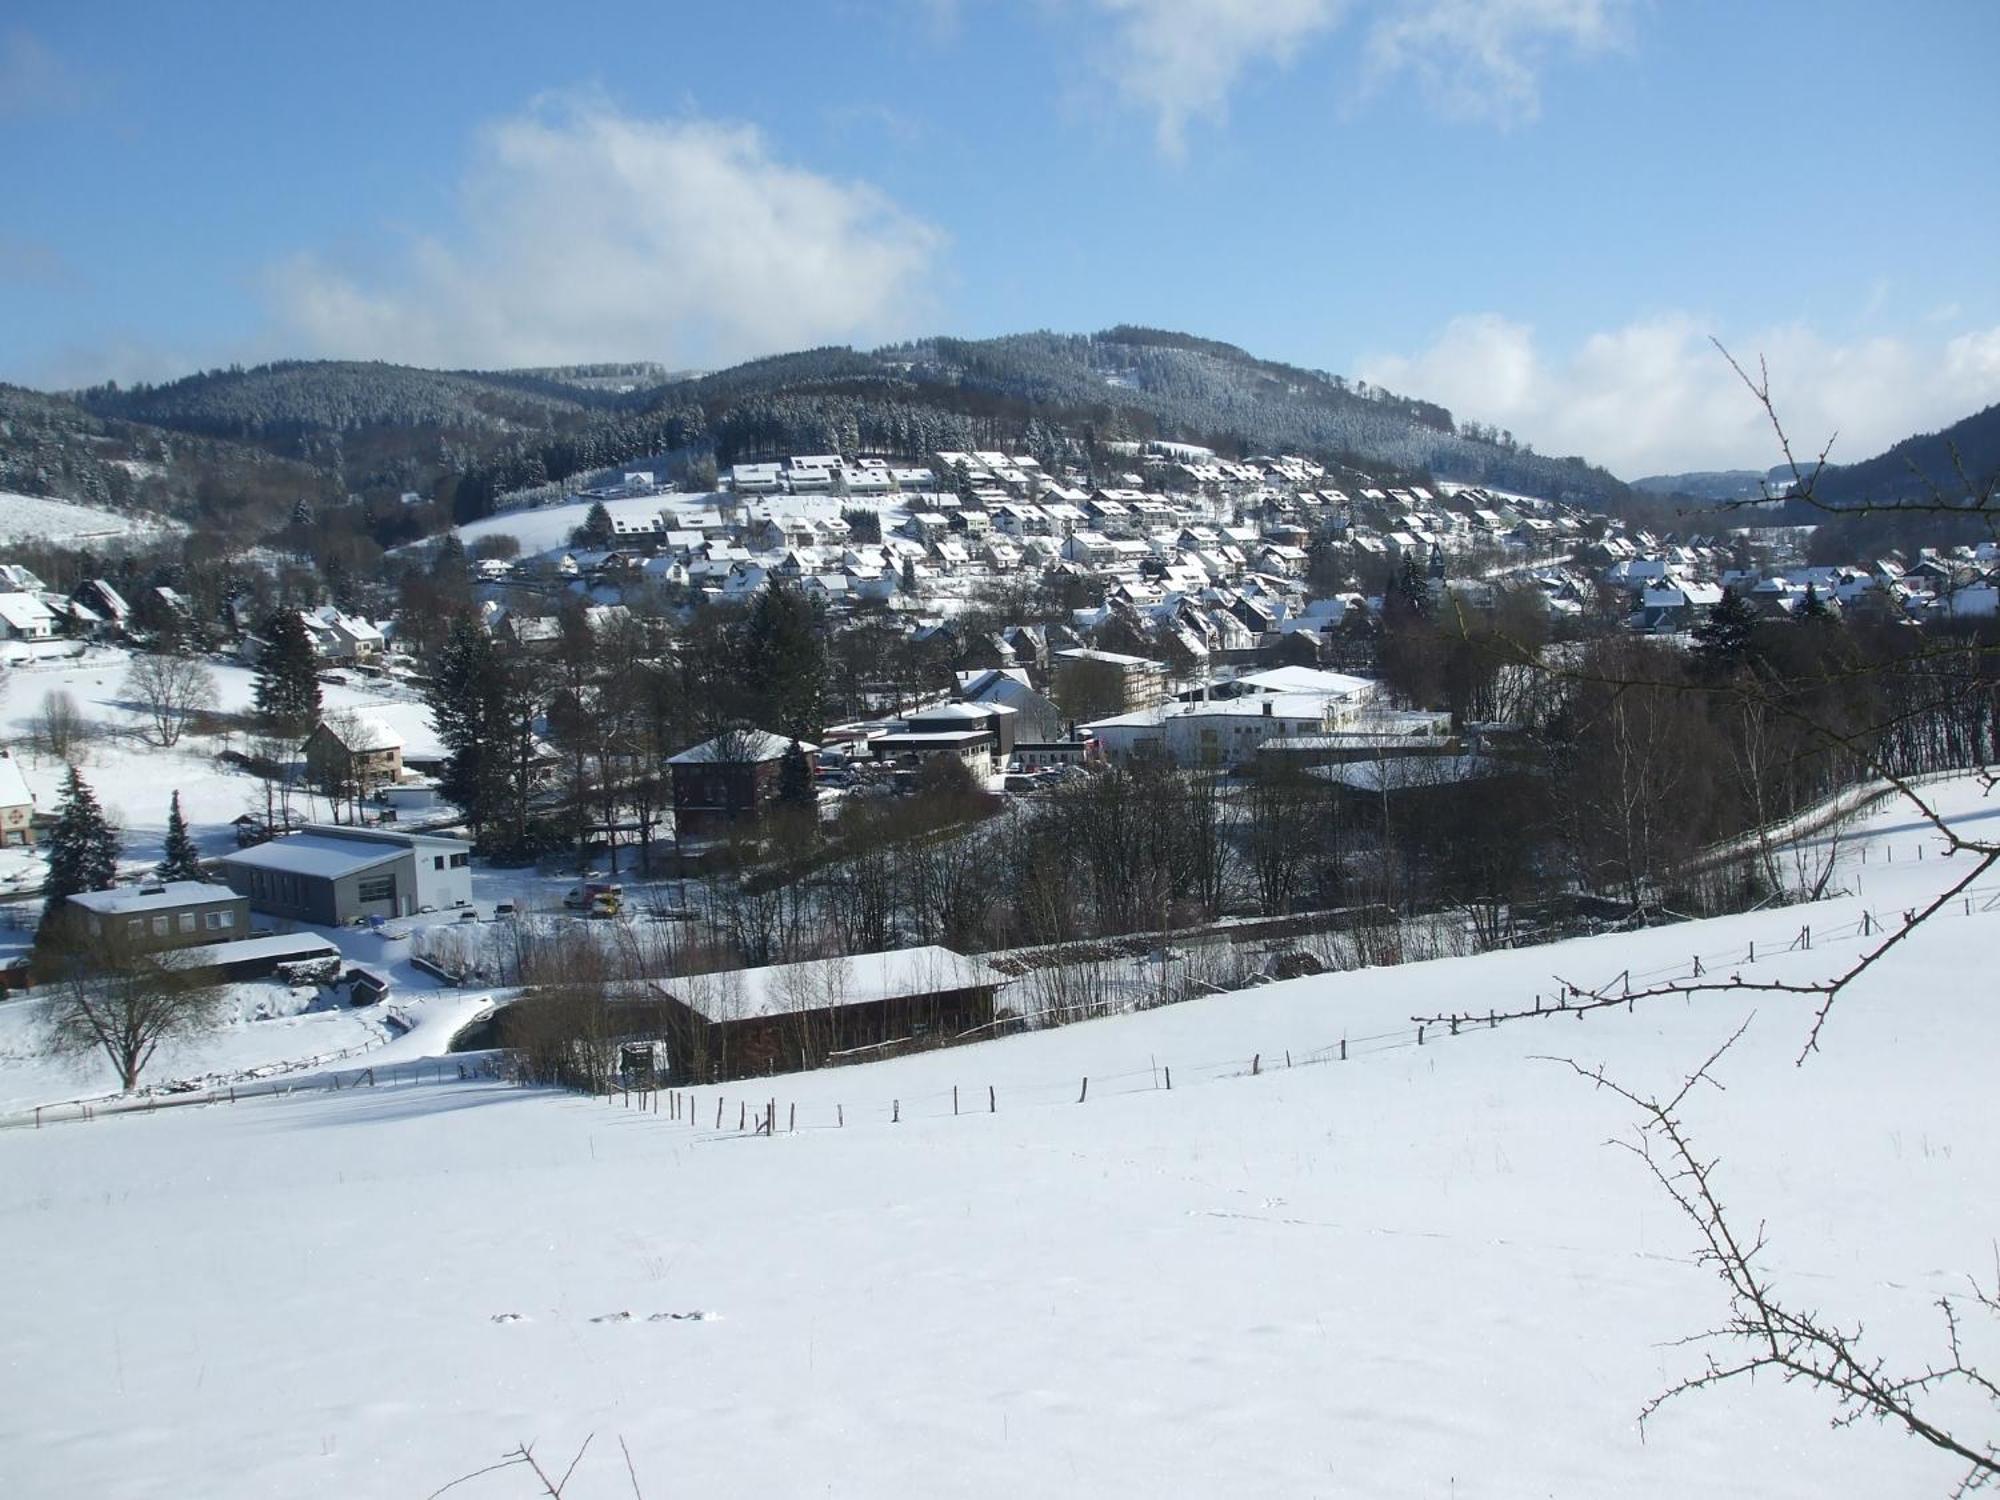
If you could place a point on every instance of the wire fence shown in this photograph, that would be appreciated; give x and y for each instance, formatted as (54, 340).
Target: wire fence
(750, 1110)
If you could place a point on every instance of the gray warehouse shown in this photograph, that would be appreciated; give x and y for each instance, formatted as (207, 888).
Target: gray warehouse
(333, 875)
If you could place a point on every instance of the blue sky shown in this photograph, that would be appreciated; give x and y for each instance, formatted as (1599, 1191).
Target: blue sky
(1536, 211)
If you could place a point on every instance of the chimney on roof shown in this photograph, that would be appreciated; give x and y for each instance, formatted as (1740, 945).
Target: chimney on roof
(151, 888)
(1267, 708)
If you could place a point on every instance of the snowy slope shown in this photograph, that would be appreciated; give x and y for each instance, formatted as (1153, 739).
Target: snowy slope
(134, 780)
(1420, 1272)
(38, 518)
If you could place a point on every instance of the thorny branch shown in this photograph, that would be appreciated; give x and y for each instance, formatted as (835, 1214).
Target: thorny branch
(1762, 1333)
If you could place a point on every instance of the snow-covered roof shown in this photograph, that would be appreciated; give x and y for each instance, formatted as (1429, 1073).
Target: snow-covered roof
(362, 733)
(1304, 680)
(25, 612)
(862, 979)
(750, 745)
(274, 947)
(131, 900)
(330, 853)
(13, 785)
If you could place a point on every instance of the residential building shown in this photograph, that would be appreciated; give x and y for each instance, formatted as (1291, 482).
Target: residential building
(17, 804)
(160, 914)
(728, 782)
(356, 751)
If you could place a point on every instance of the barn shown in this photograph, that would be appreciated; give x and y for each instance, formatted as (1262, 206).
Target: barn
(746, 1023)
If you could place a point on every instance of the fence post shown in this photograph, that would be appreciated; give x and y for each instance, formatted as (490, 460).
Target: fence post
(1288, 1057)
(895, 1111)
(1084, 1092)
(1420, 1036)
(840, 1116)
(993, 1100)
(742, 1115)
(1753, 950)
(954, 1101)
(1170, 1080)
(793, 1127)
(1343, 1049)
(1256, 1064)
(718, 1112)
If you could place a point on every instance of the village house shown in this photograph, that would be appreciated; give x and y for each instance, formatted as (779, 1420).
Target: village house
(156, 915)
(353, 750)
(17, 804)
(728, 782)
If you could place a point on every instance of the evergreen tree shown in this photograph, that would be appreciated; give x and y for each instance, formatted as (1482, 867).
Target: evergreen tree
(795, 778)
(910, 576)
(1408, 599)
(1723, 641)
(1812, 607)
(596, 528)
(83, 850)
(287, 675)
(784, 662)
(467, 695)
(180, 860)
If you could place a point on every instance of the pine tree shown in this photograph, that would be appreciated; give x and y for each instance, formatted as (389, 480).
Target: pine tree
(596, 530)
(466, 696)
(784, 662)
(288, 675)
(1722, 642)
(83, 851)
(180, 860)
(1812, 607)
(795, 779)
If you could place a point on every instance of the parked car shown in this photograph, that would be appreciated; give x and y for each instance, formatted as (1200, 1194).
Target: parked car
(584, 897)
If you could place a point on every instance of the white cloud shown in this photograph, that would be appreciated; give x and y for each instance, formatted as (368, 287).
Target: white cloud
(1180, 59)
(35, 81)
(1484, 58)
(587, 234)
(1655, 397)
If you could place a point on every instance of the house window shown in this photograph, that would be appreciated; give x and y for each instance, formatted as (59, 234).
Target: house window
(160, 926)
(460, 861)
(216, 921)
(437, 862)
(184, 922)
(376, 888)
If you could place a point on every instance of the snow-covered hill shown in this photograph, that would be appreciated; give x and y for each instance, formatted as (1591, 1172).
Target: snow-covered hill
(1418, 1272)
(40, 519)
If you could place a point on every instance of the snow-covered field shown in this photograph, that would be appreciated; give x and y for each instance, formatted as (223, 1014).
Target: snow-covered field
(38, 518)
(548, 528)
(1419, 1272)
(135, 780)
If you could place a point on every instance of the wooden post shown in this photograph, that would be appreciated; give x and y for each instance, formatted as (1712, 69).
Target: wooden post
(1084, 1092)
(1256, 1063)
(742, 1114)
(1753, 951)
(1288, 1057)
(1170, 1080)
(792, 1128)
(840, 1116)
(1343, 1049)
(1420, 1036)
(992, 1101)
(954, 1101)
(718, 1112)
(895, 1111)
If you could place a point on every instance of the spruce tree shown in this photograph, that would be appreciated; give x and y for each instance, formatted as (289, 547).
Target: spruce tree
(179, 860)
(795, 778)
(288, 675)
(784, 662)
(83, 851)
(1723, 641)
(596, 530)
(1812, 607)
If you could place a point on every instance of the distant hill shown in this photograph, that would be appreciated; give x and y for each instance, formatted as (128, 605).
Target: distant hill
(52, 447)
(1918, 466)
(1706, 484)
(464, 436)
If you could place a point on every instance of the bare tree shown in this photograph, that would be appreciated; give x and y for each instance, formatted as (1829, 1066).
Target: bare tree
(172, 690)
(59, 730)
(1762, 1334)
(118, 1001)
